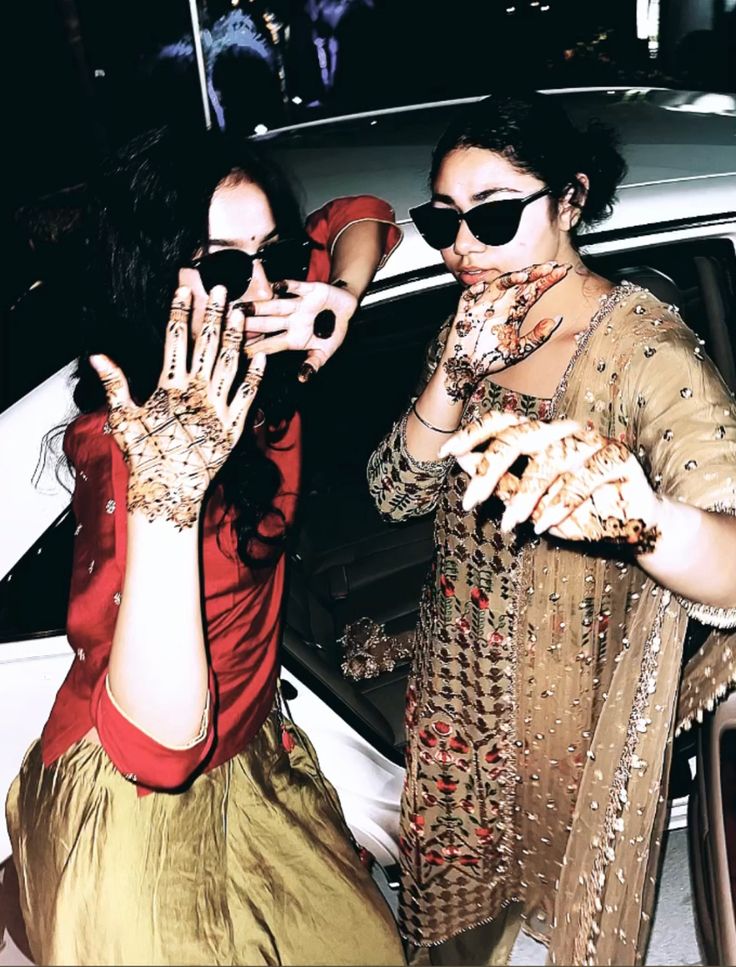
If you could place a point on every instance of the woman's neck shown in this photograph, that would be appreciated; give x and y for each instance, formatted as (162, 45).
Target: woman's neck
(576, 298)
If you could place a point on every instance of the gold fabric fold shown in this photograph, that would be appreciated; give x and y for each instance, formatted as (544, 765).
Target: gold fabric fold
(251, 865)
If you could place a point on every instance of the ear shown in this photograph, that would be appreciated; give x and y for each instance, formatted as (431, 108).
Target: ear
(572, 201)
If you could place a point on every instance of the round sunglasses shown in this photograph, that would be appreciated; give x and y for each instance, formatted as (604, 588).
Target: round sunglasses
(233, 268)
(492, 223)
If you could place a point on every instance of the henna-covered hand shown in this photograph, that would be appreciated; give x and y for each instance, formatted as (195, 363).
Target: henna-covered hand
(485, 335)
(577, 485)
(177, 441)
(290, 323)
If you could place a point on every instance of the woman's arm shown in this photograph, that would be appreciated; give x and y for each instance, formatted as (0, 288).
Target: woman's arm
(158, 667)
(173, 445)
(402, 484)
(483, 339)
(353, 237)
(356, 255)
(695, 555)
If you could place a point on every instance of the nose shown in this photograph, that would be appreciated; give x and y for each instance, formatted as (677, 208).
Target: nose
(260, 287)
(466, 242)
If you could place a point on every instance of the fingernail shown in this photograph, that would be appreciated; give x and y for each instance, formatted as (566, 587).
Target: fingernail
(280, 287)
(306, 372)
(247, 308)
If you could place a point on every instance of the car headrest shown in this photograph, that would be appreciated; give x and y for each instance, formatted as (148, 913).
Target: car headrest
(659, 284)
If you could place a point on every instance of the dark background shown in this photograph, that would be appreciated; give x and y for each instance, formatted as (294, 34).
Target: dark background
(83, 74)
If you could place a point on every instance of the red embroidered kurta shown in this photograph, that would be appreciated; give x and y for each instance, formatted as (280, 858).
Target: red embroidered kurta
(242, 605)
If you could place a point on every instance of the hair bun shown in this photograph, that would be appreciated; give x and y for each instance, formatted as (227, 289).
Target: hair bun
(604, 166)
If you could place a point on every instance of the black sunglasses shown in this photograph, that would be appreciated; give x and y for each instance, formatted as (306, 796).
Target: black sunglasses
(492, 223)
(233, 268)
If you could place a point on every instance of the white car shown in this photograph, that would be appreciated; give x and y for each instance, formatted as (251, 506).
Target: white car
(673, 230)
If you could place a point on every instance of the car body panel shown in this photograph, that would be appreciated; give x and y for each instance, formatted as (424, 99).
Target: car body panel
(26, 510)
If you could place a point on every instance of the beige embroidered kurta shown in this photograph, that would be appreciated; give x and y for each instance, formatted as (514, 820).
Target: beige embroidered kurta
(542, 696)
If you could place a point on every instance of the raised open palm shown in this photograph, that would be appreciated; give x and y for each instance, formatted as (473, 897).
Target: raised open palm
(485, 335)
(175, 443)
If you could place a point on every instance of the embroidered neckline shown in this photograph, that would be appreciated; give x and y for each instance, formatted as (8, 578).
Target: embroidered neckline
(615, 297)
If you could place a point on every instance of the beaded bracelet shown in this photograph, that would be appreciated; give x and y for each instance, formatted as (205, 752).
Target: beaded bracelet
(424, 422)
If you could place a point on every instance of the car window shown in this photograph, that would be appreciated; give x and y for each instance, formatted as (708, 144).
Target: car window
(355, 399)
(699, 276)
(35, 593)
(39, 334)
(40, 328)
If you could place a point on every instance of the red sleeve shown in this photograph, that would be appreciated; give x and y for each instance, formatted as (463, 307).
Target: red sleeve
(141, 758)
(327, 224)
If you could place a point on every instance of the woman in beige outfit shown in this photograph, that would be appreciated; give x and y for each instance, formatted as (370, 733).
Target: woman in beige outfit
(543, 696)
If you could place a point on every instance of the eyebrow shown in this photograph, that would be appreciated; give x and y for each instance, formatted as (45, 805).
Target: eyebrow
(241, 242)
(479, 196)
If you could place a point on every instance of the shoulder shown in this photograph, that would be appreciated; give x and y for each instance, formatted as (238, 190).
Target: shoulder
(643, 326)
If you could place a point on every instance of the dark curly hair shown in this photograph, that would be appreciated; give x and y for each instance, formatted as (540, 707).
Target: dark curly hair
(534, 132)
(147, 216)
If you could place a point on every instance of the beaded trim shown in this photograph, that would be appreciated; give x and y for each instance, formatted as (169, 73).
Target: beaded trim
(610, 302)
(586, 941)
(697, 713)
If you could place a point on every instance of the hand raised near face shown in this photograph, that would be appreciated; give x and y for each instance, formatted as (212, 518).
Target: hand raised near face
(177, 441)
(315, 320)
(577, 485)
(485, 335)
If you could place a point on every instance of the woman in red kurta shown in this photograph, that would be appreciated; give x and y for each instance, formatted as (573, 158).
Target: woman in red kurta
(167, 815)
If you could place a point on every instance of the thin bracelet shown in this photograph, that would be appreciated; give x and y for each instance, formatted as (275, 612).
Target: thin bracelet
(429, 426)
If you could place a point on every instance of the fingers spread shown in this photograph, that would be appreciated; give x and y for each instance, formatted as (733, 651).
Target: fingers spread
(507, 486)
(314, 360)
(546, 275)
(471, 462)
(266, 324)
(293, 287)
(208, 340)
(541, 472)
(246, 394)
(538, 336)
(479, 432)
(276, 344)
(268, 307)
(113, 381)
(228, 358)
(174, 370)
(607, 464)
(509, 445)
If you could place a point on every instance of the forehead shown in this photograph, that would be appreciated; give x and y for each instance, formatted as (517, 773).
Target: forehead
(240, 210)
(469, 171)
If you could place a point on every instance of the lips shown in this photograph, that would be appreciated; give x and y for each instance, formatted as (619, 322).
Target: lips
(471, 274)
